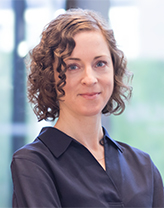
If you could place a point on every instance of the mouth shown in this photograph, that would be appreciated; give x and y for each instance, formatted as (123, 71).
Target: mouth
(90, 96)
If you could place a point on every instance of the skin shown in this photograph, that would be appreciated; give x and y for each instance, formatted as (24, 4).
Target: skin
(89, 85)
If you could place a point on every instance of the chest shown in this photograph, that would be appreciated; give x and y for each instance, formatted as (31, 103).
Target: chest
(81, 180)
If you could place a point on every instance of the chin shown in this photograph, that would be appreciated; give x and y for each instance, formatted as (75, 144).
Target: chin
(91, 112)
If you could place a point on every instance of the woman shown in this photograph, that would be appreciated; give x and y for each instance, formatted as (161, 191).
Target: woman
(76, 74)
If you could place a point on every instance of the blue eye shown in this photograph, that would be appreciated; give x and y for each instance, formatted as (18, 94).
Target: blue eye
(72, 67)
(100, 64)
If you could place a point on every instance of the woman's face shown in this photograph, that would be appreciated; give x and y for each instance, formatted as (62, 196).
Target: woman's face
(89, 76)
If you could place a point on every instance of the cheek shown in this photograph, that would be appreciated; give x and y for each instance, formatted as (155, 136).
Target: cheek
(72, 81)
(109, 87)
(109, 81)
(69, 87)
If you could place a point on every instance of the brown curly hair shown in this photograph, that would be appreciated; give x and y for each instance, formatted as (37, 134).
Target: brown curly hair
(55, 45)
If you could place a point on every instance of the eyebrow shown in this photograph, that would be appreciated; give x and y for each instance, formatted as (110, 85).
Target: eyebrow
(100, 56)
(78, 59)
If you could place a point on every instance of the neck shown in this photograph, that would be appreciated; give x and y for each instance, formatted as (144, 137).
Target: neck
(86, 130)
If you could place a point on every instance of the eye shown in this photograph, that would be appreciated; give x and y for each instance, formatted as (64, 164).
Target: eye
(100, 64)
(72, 67)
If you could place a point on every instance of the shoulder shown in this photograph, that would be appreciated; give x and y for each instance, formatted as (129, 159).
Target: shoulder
(140, 170)
(35, 147)
(44, 150)
(129, 153)
(39, 145)
(138, 160)
(35, 153)
(128, 149)
(31, 156)
(135, 156)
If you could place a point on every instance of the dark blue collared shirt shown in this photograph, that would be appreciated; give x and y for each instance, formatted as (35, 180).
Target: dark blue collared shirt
(57, 171)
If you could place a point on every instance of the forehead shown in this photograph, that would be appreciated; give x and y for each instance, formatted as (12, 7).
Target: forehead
(93, 32)
(90, 41)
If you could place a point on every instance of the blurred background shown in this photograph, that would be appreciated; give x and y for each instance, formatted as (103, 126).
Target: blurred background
(139, 30)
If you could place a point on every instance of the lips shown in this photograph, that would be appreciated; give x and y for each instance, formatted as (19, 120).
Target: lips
(90, 96)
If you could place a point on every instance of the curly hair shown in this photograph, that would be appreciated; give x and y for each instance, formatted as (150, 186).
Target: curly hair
(55, 45)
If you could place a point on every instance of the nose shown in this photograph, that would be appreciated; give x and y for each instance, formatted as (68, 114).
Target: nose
(89, 76)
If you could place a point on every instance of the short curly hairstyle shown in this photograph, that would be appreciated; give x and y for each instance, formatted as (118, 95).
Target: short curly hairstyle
(55, 45)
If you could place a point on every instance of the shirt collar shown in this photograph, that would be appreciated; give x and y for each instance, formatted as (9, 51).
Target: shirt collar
(116, 144)
(58, 142)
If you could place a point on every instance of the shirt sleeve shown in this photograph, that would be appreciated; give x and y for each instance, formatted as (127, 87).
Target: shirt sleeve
(33, 186)
(158, 197)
